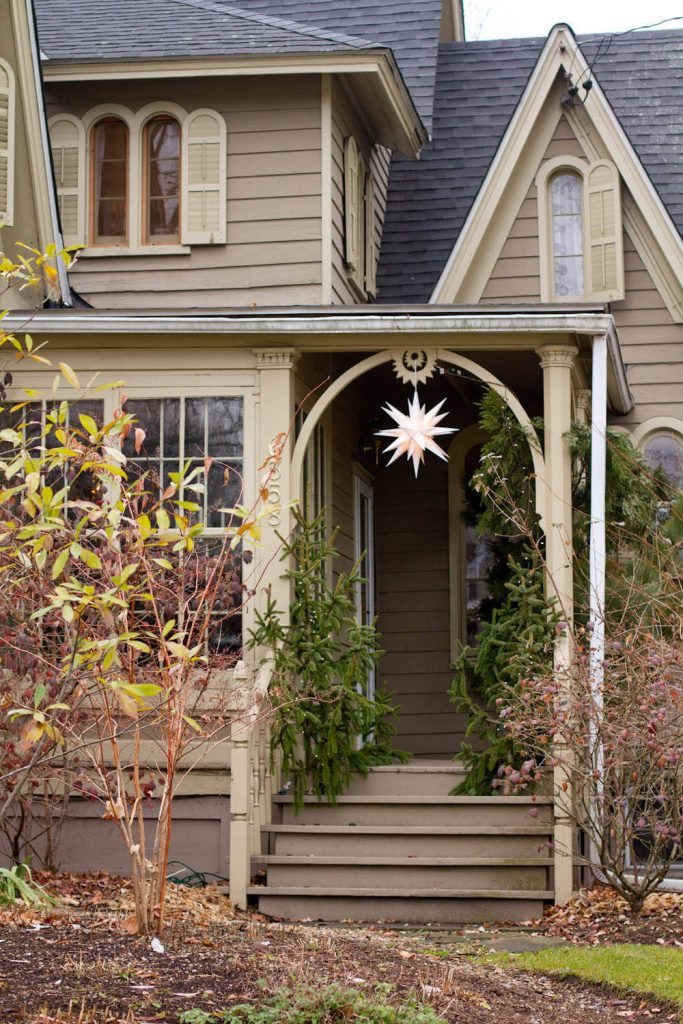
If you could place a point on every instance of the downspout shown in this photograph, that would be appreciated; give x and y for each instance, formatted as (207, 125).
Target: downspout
(58, 238)
(597, 549)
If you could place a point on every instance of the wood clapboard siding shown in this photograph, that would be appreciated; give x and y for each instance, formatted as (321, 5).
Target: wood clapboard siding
(413, 606)
(516, 277)
(651, 344)
(274, 226)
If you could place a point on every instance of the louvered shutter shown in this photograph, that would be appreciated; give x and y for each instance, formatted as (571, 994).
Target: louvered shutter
(204, 212)
(370, 239)
(605, 277)
(351, 205)
(6, 144)
(68, 157)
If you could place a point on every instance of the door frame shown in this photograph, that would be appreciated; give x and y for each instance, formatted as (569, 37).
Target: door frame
(363, 488)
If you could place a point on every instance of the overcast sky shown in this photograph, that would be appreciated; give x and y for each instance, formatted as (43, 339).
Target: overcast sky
(504, 19)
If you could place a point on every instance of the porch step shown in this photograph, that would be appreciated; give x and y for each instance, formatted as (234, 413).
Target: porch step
(373, 841)
(416, 905)
(393, 809)
(408, 873)
(417, 778)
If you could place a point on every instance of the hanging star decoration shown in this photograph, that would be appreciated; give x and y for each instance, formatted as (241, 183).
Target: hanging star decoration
(415, 431)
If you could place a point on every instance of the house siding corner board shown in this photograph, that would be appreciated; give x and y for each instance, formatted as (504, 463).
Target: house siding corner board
(274, 225)
(516, 275)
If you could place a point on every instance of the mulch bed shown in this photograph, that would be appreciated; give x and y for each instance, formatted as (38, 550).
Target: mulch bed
(597, 915)
(214, 958)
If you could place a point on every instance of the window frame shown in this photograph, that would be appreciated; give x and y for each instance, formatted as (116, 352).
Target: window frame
(92, 173)
(145, 198)
(548, 171)
(657, 426)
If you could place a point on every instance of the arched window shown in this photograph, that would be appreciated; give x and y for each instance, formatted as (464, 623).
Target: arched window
(566, 204)
(665, 451)
(161, 180)
(109, 221)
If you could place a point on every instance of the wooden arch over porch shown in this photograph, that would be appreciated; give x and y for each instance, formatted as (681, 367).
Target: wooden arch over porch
(441, 355)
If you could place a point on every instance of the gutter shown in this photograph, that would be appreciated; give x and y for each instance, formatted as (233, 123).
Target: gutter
(58, 238)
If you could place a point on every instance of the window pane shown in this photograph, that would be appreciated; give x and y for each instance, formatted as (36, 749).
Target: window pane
(567, 232)
(160, 451)
(162, 156)
(666, 452)
(214, 428)
(110, 181)
(569, 276)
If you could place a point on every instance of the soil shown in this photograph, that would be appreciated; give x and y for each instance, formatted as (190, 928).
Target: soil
(81, 954)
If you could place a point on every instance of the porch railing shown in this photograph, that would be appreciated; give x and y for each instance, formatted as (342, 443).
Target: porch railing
(253, 782)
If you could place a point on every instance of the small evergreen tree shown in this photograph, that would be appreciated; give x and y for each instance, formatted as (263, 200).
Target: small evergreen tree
(326, 726)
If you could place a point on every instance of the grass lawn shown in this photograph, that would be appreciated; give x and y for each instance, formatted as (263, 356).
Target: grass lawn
(653, 970)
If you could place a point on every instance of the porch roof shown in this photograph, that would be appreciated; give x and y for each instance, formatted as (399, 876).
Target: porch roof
(328, 326)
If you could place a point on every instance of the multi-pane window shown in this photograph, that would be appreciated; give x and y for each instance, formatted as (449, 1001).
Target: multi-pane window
(110, 182)
(566, 201)
(206, 432)
(162, 180)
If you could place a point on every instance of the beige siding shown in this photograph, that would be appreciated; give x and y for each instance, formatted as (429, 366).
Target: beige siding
(516, 275)
(413, 606)
(273, 253)
(345, 122)
(651, 344)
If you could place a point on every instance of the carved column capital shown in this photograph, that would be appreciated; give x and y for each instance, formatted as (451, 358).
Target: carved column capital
(275, 358)
(557, 354)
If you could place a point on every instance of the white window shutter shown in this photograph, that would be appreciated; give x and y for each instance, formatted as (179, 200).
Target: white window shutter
(7, 100)
(67, 139)
(604, 240)
(204, 172)
(352, 187)
(370, 239)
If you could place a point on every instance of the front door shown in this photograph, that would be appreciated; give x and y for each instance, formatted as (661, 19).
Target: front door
(365, 547)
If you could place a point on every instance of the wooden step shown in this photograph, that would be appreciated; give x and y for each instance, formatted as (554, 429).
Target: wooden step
(372, 841)
(423, 906)
(419, 810)
(417, 778)
(405, 873)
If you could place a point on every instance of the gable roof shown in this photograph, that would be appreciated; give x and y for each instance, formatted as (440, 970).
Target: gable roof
(478, 89)
(75, 30)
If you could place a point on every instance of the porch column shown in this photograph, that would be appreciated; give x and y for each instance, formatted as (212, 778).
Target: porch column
(274, 418)
(557, 361)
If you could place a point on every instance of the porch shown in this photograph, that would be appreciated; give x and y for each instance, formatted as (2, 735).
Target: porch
(398, 845)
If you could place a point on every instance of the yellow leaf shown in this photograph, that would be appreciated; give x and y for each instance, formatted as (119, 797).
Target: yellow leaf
(70, 375)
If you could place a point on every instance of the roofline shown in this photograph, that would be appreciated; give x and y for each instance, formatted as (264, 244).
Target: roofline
(526, 114)
(524, 325)
(409, 133)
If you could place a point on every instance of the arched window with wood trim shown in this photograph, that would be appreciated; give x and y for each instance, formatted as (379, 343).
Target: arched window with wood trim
(161, 181)
(109, 182)
(580, 231)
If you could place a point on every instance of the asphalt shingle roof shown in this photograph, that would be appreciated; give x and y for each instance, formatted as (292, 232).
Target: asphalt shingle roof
(478, 86)
(129, 29)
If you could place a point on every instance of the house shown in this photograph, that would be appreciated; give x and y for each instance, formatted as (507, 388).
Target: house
(304, 203)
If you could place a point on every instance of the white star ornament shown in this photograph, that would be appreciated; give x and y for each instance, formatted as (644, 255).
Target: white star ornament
(415, 431)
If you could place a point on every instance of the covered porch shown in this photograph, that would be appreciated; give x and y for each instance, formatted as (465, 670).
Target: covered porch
(424, 564)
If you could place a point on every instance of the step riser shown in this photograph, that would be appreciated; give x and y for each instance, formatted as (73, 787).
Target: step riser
(417, 814)
(410, 911)
(404, 784)
(322, 876)
(350, 845)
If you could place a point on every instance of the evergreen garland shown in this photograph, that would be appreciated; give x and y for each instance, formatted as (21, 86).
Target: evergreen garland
(325, 726)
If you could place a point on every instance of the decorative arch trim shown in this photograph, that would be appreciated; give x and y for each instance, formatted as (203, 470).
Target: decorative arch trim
(444, 356)
(656, 425)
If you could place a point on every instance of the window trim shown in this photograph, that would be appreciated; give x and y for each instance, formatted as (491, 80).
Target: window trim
(584, 168)
(166, 241)
(136, 123)
(657, 426)
(92, 205)
(8, 155)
